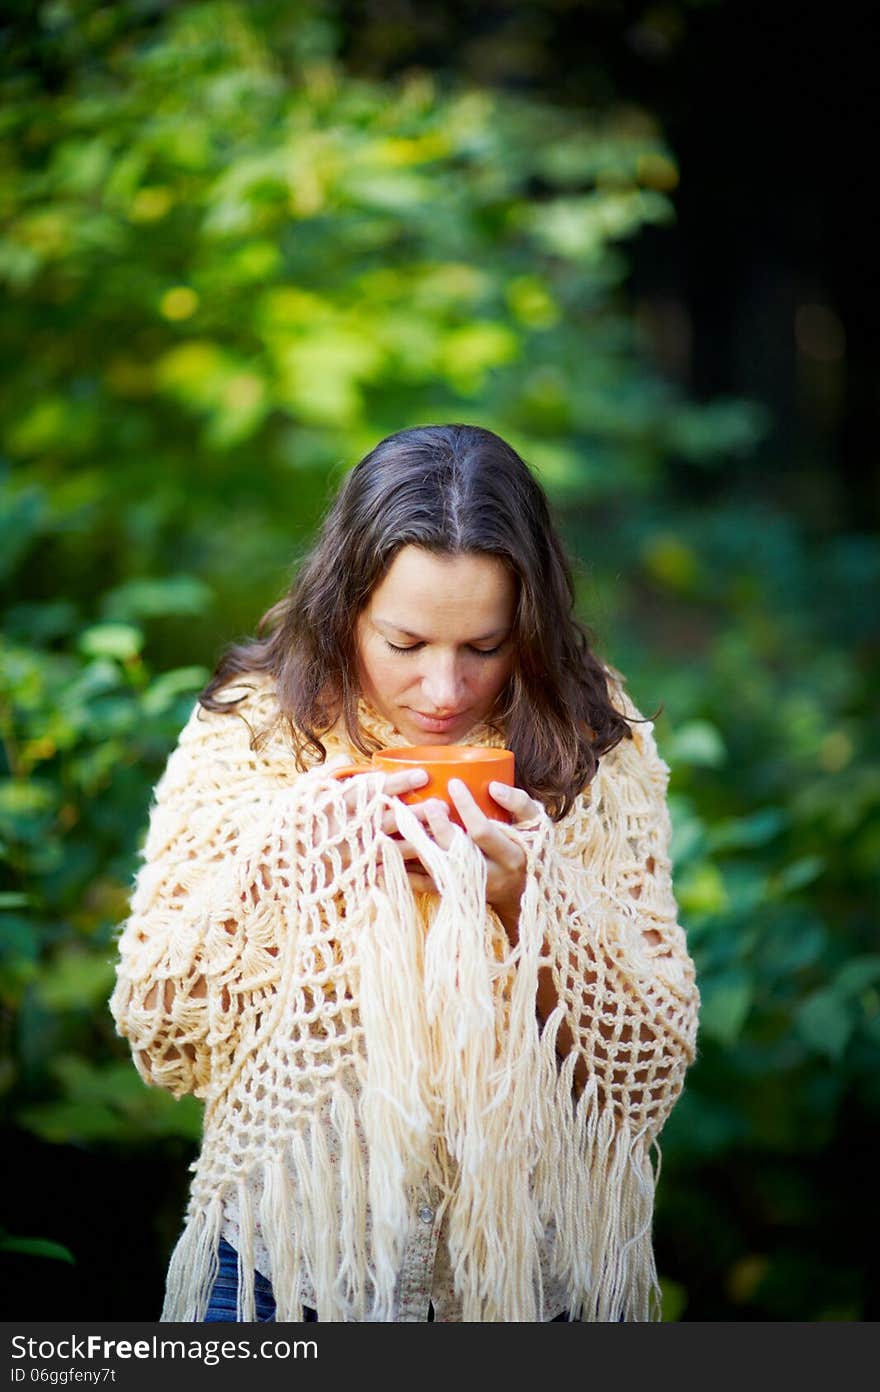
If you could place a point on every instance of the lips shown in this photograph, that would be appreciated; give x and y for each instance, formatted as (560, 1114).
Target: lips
(436, 724)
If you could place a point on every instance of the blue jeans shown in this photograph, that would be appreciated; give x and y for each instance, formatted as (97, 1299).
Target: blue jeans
(221, 1305)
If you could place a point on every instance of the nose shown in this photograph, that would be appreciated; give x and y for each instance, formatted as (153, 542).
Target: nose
(442, 684)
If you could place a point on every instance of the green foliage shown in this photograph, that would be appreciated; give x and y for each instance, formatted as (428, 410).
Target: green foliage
(766, 670)
(229, 267)
(36, 1247)
(234, 266)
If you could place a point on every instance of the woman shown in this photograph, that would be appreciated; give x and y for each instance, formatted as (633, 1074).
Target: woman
(434, 1061)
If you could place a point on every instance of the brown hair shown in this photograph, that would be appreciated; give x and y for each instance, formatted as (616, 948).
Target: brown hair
(451, 489)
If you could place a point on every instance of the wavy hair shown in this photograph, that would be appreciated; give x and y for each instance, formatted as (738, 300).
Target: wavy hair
(452, 490)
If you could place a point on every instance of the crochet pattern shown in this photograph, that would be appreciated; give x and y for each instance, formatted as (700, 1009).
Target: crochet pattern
(277, 964)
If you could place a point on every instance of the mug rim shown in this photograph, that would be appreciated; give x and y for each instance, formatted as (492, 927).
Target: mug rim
(444, 753)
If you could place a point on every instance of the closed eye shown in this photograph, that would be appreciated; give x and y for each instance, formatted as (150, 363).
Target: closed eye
(414, 647)
(395, 647)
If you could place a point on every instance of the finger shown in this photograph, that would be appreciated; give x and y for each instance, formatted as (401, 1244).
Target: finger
(439, 823)
(389, 824)
(419, 810)
(350, 794)
(521, 807)
(477, 825)
(421, 882)
(396, 784)
(418, 880)
(490, 836)
(407, 850)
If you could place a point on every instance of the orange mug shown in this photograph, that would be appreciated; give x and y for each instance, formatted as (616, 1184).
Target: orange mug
(475, 766)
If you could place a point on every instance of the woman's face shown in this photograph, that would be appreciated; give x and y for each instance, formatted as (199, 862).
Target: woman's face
(434, 642)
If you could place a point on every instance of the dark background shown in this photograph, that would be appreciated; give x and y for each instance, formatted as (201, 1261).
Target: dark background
(769, 110)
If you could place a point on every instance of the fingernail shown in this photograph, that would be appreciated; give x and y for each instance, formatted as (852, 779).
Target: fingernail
(495, 787)
(455, 785)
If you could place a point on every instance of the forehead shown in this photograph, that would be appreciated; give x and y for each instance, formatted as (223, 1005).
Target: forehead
(425, 585)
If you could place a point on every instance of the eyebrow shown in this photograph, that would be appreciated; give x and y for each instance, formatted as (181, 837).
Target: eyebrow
(407, 633)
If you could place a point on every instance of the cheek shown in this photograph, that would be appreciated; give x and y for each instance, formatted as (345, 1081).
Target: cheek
(491, 684)
(383, 674)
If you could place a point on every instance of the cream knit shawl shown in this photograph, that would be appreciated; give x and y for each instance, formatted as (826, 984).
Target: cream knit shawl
(282, 969)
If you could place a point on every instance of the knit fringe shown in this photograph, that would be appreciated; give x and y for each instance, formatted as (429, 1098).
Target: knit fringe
(483, 1083)
(194, 1265)
(394, 1105)
(303, 1194)
(593, 1180)
(525, 1154)
(353, 1213)
(594, 1187)
(246, 1285)
(602, 1212)
(455, 1081)
(283, 1238)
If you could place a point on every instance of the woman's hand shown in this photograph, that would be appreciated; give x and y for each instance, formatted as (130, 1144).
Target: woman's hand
(394, 784)
(505, 858)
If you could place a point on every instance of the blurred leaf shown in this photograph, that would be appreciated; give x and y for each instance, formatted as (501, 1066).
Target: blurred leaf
(22, 516)
(36, 1247)
(699, 743)
(825, 1022)
(726, 1000)
(23, 803)
(701, 890)
(711, 1125)
(674, 1300)
(798, 874)
(117, 640)
(109, 1103)
(673, 563)
(790, 946)
(754, 830)
(688, 831)
(18, 937)
(165, 689)
(745, 1276)
(856, 974)
(727, 427)
(745, 885)
(77, 981)
(156, 597)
